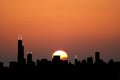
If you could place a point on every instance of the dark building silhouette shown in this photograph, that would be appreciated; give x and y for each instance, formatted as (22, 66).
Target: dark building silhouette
(29, 58)
(111, 61)
(56, 60)
(80, 70)
(89, 60)
(38, 62)
(13, 64)
(97, 56)
(30, 62)
(76, 61)
(44, 62)
(1, 64)
(65, 62)
(84, 62)
(20, 57)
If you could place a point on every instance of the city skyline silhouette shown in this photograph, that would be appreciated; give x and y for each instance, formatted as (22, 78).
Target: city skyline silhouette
(22, 60)
(86, 31)
(78, 27)
(26, 68)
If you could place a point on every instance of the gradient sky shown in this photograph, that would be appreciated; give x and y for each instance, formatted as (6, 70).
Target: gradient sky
(79, 27)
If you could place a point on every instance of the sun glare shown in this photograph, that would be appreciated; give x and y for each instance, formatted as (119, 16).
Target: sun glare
(63, 55)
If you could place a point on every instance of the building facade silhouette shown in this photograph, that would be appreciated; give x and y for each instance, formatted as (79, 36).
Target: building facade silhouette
(20, 56)
(79, 70)
(97, 56)
(29, 58)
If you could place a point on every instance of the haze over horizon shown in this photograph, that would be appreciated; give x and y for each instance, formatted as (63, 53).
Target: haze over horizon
(77, 27)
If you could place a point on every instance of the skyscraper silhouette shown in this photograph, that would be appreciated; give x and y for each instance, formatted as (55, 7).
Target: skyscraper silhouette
(76, 61)
(20, 57)
(89, 60)
(56, 59)
(97, 56)
(29, 58)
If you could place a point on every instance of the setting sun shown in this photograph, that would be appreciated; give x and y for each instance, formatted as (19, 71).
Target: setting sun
(63, 55)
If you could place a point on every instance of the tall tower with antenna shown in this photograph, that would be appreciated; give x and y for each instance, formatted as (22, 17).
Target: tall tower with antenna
(20, 56)
(76, 61)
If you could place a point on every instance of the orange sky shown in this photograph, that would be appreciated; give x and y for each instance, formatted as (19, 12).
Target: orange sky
(77, 26)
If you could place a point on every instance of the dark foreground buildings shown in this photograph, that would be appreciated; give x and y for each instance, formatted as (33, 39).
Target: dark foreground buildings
(56, 69)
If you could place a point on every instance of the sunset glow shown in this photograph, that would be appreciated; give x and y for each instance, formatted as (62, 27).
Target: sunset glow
(63, 55)
(78, 26)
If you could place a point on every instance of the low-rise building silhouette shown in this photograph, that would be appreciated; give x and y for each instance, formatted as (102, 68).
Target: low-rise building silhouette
(89, 60)
(1, 64)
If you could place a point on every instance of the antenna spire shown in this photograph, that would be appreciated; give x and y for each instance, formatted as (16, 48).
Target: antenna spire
(29, 52)
(19, 36)
(75, 56)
